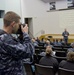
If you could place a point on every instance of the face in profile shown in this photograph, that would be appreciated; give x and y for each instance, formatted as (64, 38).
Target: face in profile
(15, 28)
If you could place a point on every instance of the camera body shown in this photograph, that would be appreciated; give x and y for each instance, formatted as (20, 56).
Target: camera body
(19, 30)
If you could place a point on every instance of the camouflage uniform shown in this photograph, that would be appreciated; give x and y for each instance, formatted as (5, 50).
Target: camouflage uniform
(12, 52)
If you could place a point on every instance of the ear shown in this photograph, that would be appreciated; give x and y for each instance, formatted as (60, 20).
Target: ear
(13, 24)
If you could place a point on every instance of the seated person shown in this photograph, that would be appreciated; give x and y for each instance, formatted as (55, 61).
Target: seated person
(42, 40)
(71, 49)
(47, 43)
(35, 43)
(48, 60)
(44, 53)
(69, 63)
(57, 42)
(38, 40)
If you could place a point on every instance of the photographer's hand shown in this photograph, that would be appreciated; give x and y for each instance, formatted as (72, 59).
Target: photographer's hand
(25, 28)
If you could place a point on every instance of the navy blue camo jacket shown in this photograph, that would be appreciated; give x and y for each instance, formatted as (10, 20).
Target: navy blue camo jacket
(12, 52)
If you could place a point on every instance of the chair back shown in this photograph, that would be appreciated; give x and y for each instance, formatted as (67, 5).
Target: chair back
(39, 57)
(43, 70)
(59, 59)
(63, 71)
(60, 53)
(28, 69)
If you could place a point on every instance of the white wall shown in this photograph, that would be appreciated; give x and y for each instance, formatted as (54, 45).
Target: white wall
(61, 4)
(13, 5)
(2, 4)
(10, 5)
(42, 20)
(37, 10)
(2, 7)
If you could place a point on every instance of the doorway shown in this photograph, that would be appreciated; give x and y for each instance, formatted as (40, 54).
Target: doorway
(29, 21)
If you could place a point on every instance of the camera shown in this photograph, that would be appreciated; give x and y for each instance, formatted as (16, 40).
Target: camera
(19, 30)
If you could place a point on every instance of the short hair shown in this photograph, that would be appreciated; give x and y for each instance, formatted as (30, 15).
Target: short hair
(9, 17)
(70, 56)
(48, 51)
(72, 44)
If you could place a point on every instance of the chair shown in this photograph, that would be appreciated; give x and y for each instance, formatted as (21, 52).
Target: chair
(28, 69)
(39, 57)
(60, 53)
(43, 70)
(59, 59)
(36, 58)
(63, 71)
(37, 50)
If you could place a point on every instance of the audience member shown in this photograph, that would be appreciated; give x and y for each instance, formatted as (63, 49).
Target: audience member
(42, 40)
(69, 63)
(38, 40)
(48, 60)
(71, 49)
(56, 42)
(47, 44)
(44, 53)
(35, 43)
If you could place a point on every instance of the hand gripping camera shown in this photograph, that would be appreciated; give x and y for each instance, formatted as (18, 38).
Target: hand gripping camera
(19, 30)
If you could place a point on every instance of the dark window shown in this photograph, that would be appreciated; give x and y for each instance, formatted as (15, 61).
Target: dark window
(2, 12)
